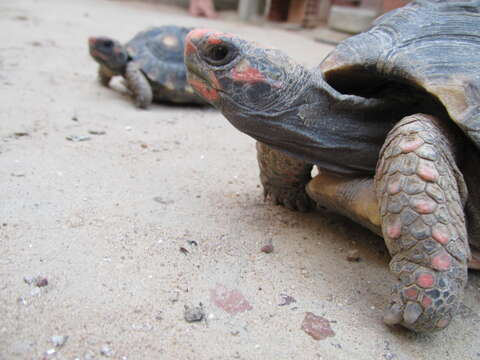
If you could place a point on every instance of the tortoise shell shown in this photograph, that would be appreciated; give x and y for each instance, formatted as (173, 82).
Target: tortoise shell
(431, 45)
(158, 52)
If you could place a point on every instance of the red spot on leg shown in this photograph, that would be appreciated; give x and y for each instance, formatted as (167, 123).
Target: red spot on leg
(410, 145)
(249, 75)
(441, 262)
(427, 171)
(425, 280)
(426, 302)
(206, 91)
(393, 187)
(441, 236)
(394, 229)
(410, 293)
(424, 206)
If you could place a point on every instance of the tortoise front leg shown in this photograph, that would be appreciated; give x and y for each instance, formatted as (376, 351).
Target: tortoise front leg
(284, 178)
(139, 86)
(421, 193)
(104, 75)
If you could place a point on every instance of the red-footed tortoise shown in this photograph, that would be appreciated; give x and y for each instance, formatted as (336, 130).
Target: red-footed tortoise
(391, 118)
(151, 63)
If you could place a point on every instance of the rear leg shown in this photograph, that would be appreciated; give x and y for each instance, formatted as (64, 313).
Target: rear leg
(421, 195)
(284, 178)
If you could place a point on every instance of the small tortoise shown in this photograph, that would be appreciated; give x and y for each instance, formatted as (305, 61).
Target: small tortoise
(151, 63)
(391, 119)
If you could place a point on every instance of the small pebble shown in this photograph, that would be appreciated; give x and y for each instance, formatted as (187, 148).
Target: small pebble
(59, 340)
(88, 355)
(174, 296)
(35, 291)
(353, 255)
(22, 300)
(77, 138)
(50, 352)
(267, 249)
(29, 279)
(97, 132)
(106, 351)
(41, 281)
(194, 313)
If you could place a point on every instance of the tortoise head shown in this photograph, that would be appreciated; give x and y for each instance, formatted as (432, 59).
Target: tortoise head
(109, 53)
(240, 77)
(267, 95)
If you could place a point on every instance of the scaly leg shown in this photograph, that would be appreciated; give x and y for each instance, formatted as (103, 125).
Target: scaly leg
(422, 194)
(284, 178)
(104, 75)
(139, 86)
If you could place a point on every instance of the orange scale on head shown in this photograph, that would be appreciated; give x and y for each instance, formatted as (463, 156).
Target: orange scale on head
(189, 48)
(248, 74)
(204, 90)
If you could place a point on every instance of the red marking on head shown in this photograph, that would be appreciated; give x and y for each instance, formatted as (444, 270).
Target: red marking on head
(427, 171)
(425, 280)
(394, 230)
(214, 40)
(92, 40)
(424, 206)
(410, 293)
(441, 262)
(249, 75)
(206, 91)
(412, 145)
(426, 302)
(189, 48)
(440, 236)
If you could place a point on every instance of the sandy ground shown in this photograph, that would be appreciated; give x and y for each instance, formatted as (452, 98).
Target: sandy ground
(165, 211)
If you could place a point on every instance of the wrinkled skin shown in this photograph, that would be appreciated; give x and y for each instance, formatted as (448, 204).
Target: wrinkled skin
(301, 121)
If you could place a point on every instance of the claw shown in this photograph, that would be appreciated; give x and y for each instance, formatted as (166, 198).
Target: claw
(412, 313)
(393, 314)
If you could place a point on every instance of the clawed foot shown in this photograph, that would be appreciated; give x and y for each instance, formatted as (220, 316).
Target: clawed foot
(423, 300)
(292, 199)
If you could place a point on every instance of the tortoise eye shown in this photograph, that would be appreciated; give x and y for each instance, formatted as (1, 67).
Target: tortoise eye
(108, 44)
(218, 55)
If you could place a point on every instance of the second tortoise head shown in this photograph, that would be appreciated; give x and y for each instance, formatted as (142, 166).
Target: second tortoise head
(109, 53)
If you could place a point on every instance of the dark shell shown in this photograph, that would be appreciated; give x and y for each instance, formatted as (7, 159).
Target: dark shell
(432, 45)
(158, 52)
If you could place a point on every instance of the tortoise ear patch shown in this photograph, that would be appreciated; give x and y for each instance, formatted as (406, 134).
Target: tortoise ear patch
(245, 73)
